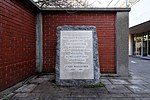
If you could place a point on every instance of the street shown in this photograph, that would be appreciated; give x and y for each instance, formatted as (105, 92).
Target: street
(139, 68)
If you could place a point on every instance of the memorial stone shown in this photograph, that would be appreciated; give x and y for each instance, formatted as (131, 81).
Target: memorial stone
(77, 60)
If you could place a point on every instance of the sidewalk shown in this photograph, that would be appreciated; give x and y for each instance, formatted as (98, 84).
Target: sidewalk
(43, 87)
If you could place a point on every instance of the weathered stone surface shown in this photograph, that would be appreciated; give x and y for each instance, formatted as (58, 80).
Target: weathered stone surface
(66, 73)
(138, 88)
(26, 96)
(117, 89)
(39, 80)
(137, 81)
(105, 81)
(89, 94)
(26, 88)
(119, 81)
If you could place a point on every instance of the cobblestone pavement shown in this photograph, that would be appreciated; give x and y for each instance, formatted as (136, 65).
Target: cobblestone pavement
(135, 87)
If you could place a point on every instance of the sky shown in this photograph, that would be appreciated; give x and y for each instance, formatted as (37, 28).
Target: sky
(106, 3)
(139, 13)
(103, 3)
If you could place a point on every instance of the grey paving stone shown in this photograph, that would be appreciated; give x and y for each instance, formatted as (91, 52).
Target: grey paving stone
(46, 88)
(117, 89)
(45, 96)
(102, 90)
(138, 88)
(111, 95)
(137, 81)
(147, 80)
(26, 88)
(54, 96)
(147, 85)
(47, 76)
(100, 98)
(10, 95)
(105, 81)
(119, 98)
(22, 94)
(38, 80)
(125, 98)
(41, 89)
(119, 81)
(76, 89)
(89, 94)
(25, 96)
(66, 89)
(145, 95)
(136, 77)
(78, 98)
(86, 90)
(50, 77)
(58, 94)
(142, 98)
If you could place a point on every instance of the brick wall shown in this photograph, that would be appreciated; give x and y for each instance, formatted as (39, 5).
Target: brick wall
(105, 24)
(17, 42)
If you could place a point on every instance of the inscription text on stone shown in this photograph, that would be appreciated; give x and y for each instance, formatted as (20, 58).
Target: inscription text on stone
(76, 55)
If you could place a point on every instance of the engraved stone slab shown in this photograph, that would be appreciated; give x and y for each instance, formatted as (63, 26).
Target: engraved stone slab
(77, 56)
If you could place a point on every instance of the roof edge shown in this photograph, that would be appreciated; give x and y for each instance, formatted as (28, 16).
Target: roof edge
(29, 3)
(139, 24)
(35, 4)
(88, 9)
(140, 28)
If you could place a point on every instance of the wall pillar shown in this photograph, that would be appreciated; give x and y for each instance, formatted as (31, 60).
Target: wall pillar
(122, 31)
(39, 44)
(130, 44)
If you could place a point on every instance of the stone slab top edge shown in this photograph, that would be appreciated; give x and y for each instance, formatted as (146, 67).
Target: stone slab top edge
(70, 27)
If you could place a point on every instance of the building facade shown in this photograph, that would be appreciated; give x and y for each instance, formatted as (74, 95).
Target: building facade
(139, 31)
(139, 40)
